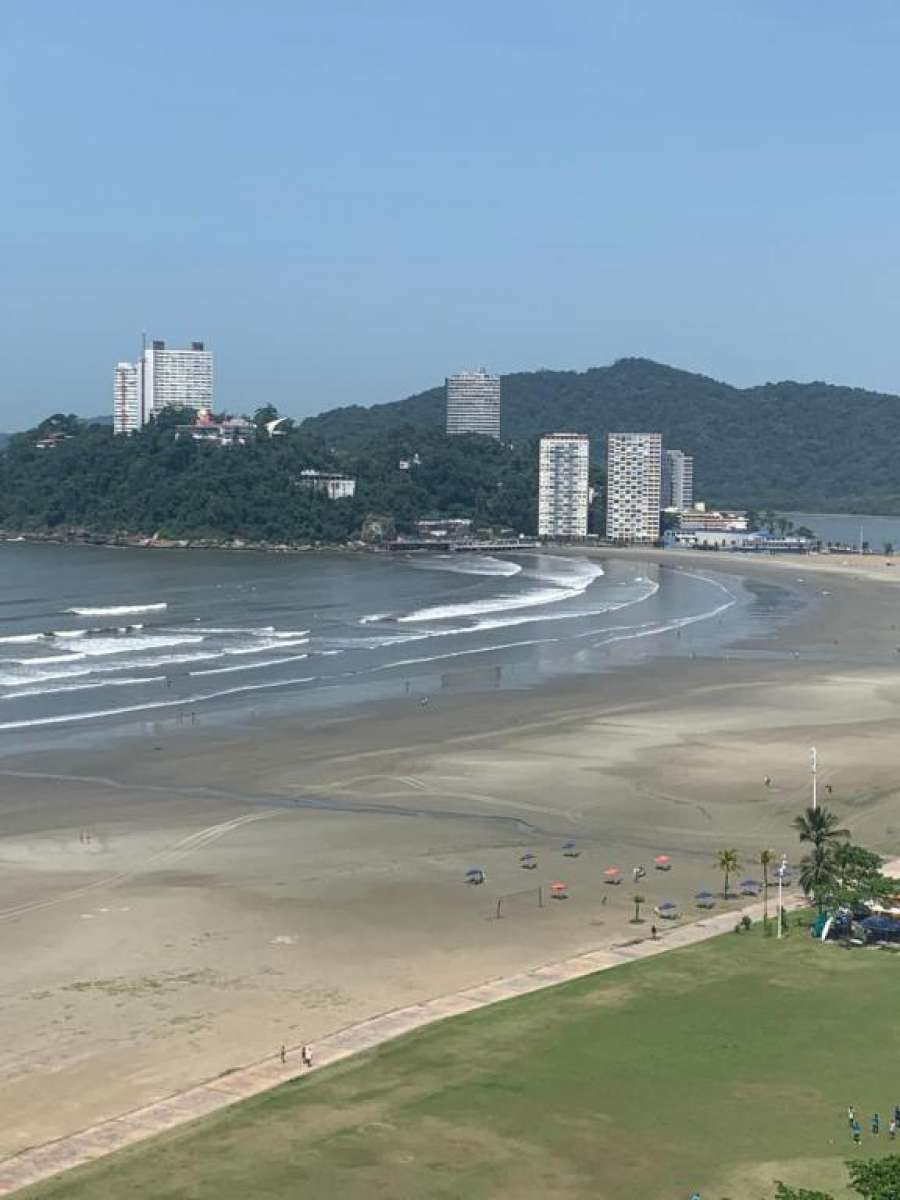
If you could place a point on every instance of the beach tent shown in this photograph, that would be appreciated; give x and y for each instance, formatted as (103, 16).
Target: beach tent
(662, 862)
(570, 849)
(612, 875)
(705, 899)
(559, 891)
(475, 875)
(528, 861)
(667, 909)
(880, 925)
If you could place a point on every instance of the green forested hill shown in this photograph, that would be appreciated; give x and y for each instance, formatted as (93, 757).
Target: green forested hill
(784, 446)
(150, 483)
(810, 446)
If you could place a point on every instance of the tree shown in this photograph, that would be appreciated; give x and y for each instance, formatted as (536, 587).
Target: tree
(818, 877)
(820, 826)
(728, 862)
(876, 1178)
(783, 1192)
(638, 900)
(766, 858)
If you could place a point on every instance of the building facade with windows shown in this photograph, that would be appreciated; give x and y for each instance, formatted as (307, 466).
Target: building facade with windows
(473, 403)
(677, 480)
(563, 489)
(162, 378)
(128, 412)
(633, 486)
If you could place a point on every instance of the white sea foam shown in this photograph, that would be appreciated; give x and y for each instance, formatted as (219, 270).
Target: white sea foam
(271, 644)
(181, 702)
(468, 564)
(70, 633)
(84, 687)
(117, 610)
(44, 658)
(569, 578)
(21, 638)
(252, 666)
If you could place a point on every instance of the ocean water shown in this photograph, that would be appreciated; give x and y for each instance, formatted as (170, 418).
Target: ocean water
(845, 528)
(96, 640)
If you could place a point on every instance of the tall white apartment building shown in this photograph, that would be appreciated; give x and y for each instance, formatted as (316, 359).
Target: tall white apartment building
(634, 478)
(162, 379)
(473, 403)
(128, 412)
(677, 480)
(177, 378)
(563, 492)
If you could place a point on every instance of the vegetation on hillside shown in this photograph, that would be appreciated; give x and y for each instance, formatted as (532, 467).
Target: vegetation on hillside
(810, 446)
(150, 483)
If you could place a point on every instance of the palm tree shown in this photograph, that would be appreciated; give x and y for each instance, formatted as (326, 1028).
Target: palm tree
(727, 861)
(638, 901)
(818, 876)
(765, 861)
(820, 826)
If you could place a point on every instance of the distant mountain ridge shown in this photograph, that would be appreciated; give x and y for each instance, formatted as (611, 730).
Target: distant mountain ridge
(808, 446)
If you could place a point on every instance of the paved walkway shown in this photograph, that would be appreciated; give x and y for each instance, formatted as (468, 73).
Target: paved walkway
(32, 1166)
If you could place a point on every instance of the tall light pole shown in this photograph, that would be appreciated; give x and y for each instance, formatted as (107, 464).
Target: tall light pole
(781, 871)
(812, 762)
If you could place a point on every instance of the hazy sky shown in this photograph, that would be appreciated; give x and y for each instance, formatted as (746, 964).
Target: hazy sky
(349, 198)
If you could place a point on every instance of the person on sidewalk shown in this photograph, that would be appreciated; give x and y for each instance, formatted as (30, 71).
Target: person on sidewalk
(306, 1056)
(283, 1053)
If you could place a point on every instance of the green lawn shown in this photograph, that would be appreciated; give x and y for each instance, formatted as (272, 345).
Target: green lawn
(719, 1067)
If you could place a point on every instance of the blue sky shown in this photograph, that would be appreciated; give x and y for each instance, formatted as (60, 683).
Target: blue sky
(349, 199)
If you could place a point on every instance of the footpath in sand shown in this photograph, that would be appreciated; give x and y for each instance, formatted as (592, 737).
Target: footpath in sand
(42, 1162)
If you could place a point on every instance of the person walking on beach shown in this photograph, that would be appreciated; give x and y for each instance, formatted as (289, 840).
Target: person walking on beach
(897, 1113)
(653, 932)
(851, 1115)
(283, 1053)
(306, 1056)
(876, 1123)
(857, 1132)
(892, 1129)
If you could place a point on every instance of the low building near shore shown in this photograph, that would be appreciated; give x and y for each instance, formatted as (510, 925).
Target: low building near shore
(327, 483)
(755, 541)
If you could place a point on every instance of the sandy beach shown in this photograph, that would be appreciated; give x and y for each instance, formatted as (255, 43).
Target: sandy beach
(173, 908)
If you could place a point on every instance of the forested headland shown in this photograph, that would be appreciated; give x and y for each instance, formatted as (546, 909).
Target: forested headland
(812, 447)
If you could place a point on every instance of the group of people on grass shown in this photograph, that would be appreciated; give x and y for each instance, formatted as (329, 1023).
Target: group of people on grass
(856, 1130)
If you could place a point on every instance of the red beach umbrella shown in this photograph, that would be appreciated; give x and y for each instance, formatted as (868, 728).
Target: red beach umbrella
(612, 872)
(662, 862)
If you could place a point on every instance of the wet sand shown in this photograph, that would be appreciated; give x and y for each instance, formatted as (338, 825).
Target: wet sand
(169, 914)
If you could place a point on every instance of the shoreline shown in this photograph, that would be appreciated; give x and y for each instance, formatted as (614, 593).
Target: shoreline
(286, 879)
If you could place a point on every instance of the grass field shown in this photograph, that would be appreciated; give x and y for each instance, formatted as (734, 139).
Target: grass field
(719, 1067)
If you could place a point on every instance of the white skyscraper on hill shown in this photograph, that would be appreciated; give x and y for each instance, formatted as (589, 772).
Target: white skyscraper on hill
(161, 379)
(473, 403)
(128, 413)
(634, 471)
(563, 492)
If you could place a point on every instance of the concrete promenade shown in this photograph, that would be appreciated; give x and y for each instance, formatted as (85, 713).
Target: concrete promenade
(41, 1162)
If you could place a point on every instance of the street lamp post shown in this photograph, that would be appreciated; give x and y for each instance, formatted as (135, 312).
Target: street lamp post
(813, 767)
(781, 871)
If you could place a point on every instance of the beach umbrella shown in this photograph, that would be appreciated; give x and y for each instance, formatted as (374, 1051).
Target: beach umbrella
(751, 883)
(568, 845)
(613, 875)
(662, 862)
(527, 857)
(570, 849)
(558, 890)
(703, 895)
(475, 875)
(667, 906)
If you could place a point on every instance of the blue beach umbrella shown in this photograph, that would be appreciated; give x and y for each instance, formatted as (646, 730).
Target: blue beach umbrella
(527, 857)
(704, 895)
(667, 906)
